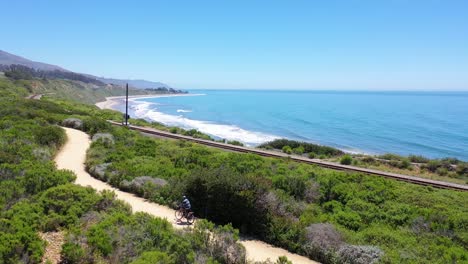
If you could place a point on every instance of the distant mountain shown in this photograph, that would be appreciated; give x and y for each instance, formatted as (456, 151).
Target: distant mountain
(8, 59)
(141, 84)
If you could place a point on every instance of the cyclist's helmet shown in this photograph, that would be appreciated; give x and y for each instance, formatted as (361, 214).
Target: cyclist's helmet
(184, 197)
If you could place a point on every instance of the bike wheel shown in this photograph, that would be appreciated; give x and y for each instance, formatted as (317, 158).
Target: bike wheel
(179, 214)
(190, 218)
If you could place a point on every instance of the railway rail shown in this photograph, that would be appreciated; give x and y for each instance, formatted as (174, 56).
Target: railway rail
(321, 163)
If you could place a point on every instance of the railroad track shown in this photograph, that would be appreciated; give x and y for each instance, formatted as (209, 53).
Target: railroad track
(321, 163)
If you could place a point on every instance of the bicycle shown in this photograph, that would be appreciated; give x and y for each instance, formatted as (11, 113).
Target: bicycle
(181, 212)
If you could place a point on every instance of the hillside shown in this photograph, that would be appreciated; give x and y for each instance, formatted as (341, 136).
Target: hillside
(8, 59)
(141, 84)
(79, 91)
(326, 215)
(37, 200)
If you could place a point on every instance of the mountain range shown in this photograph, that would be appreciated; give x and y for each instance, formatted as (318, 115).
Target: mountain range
(8, 59)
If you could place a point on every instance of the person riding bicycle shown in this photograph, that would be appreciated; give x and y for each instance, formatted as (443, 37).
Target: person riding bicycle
(186, 204)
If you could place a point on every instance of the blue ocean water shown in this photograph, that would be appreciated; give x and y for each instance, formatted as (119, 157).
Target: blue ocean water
(432, 124)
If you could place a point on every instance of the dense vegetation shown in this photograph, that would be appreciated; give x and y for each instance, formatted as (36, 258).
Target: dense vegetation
(20, 72)
(447, 169)
(299, 148)
(36, 197)
(327, 215)
(164, 90)
(77, 89)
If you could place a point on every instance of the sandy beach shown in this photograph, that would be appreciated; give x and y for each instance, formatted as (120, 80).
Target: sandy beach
(115, 100)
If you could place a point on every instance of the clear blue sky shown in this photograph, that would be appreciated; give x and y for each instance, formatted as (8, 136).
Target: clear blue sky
(348, 44)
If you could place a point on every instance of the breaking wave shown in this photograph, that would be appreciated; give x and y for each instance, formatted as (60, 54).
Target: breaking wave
(146, 110)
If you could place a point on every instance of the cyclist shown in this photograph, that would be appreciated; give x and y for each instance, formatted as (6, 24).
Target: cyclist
(186, 204)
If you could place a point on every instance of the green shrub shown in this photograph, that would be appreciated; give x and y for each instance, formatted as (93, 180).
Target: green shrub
(462, 169)
(346, 160)
(65, 204)
(93, 126)
(418, 159)
(235, 143)
(442, 171)
(368, 159)
(50, 135)
(390, 156)
(307, 147)
(299, 150)
(349, 219)
(72, 253)
(287, 149)
(154, 257)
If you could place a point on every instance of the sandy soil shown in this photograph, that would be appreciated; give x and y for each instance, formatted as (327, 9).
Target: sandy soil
(54, 241)
(72, 157)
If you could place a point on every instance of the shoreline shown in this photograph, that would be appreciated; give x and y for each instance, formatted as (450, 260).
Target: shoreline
(114, 100)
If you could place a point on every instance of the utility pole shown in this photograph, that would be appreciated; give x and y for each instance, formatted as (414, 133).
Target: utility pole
(126, 106)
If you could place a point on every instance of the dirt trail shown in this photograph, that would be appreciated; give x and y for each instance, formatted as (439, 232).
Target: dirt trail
(72, 157)
(54, 241)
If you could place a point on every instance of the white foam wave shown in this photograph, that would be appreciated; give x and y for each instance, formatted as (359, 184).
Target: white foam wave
(183, 111)
(229, 132)
(141, 108)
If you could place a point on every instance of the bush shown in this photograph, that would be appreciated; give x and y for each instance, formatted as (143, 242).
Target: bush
(418, 159)
(346, 160)
(293, 185)
(211, 190)
(442, 171)
(350, 254)
(322, 240)
(389, 156)
(235, 143)
(224, 247)
(283, 260)
(307, 147)
(287, 149)
(368, 159)
(94, 125)
(73, 123)
(65, 204)
(105, 138)
(154, 257)
(299, 150)
(403, 163)
(462, 169)
(72, 253)
(50, 135)
(312, 155)
(144, 186)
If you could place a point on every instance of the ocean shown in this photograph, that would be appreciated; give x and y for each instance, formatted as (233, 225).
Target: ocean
(432, 124)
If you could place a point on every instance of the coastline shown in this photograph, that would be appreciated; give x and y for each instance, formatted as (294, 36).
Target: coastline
(114, 100)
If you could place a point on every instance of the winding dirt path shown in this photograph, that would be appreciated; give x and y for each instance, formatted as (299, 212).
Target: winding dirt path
(72, 157)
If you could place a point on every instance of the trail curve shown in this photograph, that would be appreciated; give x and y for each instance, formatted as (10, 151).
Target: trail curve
(72, 157)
